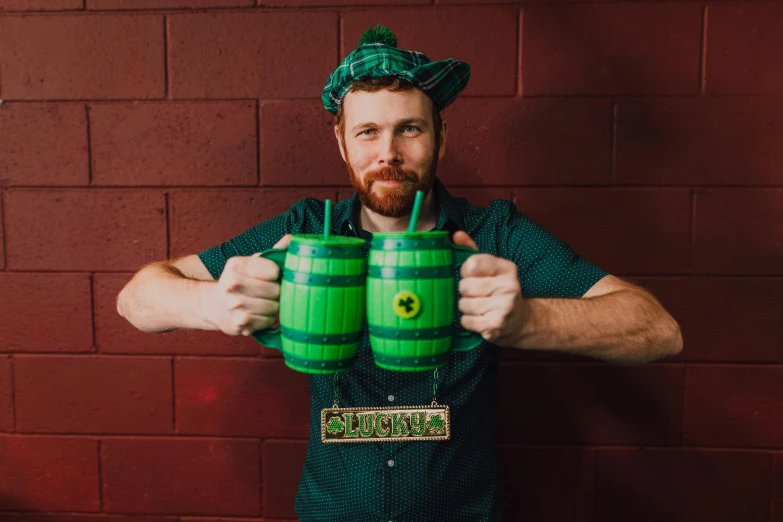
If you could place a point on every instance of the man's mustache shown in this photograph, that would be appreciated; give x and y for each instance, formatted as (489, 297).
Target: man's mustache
(390, 174)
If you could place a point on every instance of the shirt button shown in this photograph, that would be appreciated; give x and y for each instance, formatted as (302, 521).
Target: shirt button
(390, 463)
(391, 398)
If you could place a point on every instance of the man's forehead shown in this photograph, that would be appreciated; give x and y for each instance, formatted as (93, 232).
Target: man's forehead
(386, 106)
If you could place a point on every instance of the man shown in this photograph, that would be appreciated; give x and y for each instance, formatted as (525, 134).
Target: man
(526, 290)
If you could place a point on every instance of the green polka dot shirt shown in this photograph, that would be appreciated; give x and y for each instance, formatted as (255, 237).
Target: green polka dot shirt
(427, 481)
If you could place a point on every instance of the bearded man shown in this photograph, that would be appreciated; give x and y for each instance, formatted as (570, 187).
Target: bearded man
(526, 289)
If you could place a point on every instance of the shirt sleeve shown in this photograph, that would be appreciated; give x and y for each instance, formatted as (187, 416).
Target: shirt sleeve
(301, 216)
(548, 267)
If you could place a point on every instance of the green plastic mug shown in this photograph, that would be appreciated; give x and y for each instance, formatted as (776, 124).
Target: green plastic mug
(411, 297)
(322, 302)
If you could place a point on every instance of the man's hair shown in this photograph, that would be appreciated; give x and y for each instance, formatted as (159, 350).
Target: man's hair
(393, 84)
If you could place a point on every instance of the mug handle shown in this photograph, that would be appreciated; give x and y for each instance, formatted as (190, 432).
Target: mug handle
(270, 337)
(464, 340)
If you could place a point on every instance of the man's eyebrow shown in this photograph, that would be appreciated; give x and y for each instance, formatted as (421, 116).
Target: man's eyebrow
(406, 121)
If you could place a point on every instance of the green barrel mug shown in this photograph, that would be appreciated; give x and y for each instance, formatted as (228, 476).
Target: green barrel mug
(322, 302)
(411, 297)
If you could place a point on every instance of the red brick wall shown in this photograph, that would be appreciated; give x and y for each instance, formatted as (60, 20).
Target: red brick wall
(646, 135)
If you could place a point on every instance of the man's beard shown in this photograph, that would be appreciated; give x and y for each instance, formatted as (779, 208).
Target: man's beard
(395, 200)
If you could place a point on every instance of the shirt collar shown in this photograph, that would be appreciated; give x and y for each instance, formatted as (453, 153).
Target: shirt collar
(449, 215)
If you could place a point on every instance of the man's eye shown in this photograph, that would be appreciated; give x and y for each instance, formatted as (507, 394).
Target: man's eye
(366, 131)
(411, 128)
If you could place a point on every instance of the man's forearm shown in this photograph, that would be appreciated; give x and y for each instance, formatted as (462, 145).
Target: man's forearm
(624, 327)
(160, 298)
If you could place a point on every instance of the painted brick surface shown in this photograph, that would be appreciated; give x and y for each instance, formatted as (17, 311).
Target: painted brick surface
(58, 229)
(114, 334)
(699, 141)
(249, 55)
(543, 484)
(240, 397)
(599, 49)
(739, 231)
(67, 325)
(737, 406)
(777, 494)
(589, 404)
(282, 467)
(744, 44)
(168, 4)
(622, 231)
(484, 37)
(208, 476)
(298, 146)
(82, 57)
(205, 218)
(44, 144)
(724, 319)
(687, 485)
(40, 5)
(61, 517)
(49, 473)
(93, 395)
(524, 142)
(206, 143)
(646, 135)
(6, 395)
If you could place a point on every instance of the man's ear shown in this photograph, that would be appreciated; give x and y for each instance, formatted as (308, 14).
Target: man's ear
(442, 149)
(339, 141)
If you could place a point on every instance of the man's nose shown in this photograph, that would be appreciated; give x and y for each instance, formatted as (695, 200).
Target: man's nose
(389, 153)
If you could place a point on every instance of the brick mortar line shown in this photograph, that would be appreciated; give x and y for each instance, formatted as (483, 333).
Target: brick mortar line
(166, 68)
(340, 29)
(3, 220)
(692, 235)
(92, 313)
(259, 143)
(613, 146)
(166, 197)
(101, 437)
(89, 143)
(703, 56)
(497, 97)
(613, 188)
(13, 390)
(519, 79)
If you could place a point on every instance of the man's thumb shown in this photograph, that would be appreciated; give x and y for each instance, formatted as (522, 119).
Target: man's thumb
(283, 242)
(462, 238)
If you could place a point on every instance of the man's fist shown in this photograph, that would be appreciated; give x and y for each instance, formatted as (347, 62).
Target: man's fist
(491, 302)
(246, 297)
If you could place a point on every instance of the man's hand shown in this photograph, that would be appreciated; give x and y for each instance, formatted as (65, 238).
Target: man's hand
(491, 302)
(246, 297)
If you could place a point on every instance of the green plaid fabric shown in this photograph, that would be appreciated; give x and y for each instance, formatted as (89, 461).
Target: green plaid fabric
(442, 81)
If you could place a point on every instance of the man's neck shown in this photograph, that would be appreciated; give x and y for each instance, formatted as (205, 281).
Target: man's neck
(373, 222)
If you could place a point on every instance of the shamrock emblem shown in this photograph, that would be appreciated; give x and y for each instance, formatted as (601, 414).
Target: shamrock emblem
(436, 424)
(335, 426)
(406, 304)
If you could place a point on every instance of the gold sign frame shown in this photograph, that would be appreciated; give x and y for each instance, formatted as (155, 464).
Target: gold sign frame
(387, 424)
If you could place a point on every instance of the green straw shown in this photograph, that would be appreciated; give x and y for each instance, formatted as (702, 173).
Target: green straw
(415, 211)
(327, 219)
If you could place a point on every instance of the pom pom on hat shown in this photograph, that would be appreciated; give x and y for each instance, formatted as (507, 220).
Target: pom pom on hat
(378, 34)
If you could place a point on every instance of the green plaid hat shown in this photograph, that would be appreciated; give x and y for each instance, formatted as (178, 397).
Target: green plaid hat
(377, 56)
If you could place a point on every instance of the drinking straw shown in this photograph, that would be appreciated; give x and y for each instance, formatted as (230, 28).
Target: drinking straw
(415, 211)
(327, 219)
